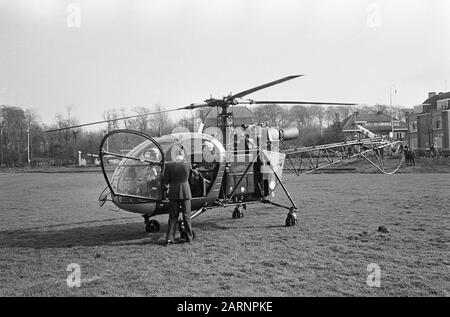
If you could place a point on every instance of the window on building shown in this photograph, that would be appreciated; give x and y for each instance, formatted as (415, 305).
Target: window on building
(438, 124)
(443, 104)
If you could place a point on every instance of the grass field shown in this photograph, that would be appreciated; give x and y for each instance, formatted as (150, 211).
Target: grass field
(48, 221)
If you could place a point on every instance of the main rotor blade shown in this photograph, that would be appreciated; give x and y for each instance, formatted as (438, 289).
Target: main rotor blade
(112, 120)
(270, 102)
(251, 90)
(196, 106)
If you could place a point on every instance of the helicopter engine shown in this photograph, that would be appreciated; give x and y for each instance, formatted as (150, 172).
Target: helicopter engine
(290, 133)
(287, 134)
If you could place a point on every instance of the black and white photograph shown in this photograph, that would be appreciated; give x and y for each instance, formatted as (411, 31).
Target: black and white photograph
(224, 153)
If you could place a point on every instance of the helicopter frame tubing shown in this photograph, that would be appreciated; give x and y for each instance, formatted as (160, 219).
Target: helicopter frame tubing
(233, 192)
(291, 218)
(308, 160)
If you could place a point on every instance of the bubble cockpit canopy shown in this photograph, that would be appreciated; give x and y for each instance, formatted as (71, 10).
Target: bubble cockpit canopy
(139, 161)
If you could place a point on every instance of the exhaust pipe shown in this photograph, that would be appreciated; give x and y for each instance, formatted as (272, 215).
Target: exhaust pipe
(290, 133)
(287, 134)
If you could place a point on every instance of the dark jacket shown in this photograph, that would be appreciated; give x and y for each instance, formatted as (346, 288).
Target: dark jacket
(176, 175)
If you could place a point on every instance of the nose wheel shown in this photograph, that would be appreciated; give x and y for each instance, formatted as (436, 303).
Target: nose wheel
(238, 212)
(151, 225)
(291, 219)
(182, 230)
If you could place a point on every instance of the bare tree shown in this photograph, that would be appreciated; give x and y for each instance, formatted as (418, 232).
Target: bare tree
(111, 114)
(301, 115)
(160, 122)
(142, 122)
(186, 122)
(382, 109)
(272, 115)
(318, 112)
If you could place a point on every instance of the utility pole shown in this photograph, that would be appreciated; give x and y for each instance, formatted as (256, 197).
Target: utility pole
(107, 140)
(1, 144)
(28, 145)
(1, 138)
(392, 108)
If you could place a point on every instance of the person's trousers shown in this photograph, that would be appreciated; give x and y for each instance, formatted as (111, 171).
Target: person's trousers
(175, 206)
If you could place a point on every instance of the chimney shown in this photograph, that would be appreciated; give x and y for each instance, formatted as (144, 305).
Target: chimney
(431, 94)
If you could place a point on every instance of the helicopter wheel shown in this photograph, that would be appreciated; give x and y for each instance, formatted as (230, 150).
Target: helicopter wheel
(238, 213)
(152, 226)
(291, 219)
(182, 230)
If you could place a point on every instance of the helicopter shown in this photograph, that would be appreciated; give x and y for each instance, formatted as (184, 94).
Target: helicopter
(236, 165)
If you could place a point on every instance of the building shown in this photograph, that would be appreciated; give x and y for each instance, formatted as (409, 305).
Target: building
(379, 123)
(430, 123)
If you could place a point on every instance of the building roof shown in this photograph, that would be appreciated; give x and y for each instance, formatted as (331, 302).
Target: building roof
(372, 119)
(401, 127)
(434, 99)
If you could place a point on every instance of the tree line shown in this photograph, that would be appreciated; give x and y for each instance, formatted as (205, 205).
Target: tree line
(23, 136)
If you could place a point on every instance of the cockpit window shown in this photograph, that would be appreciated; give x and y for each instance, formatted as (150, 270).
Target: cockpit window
(146, 151)
(139, 172)
(137, 179)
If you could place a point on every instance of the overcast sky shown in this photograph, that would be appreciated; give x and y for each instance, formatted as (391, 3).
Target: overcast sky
(99, 54)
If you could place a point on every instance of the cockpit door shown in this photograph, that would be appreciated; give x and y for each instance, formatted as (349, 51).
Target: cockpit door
(133, 165)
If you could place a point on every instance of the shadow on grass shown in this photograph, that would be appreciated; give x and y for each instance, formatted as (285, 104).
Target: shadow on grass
(66, 238)
(114, 234)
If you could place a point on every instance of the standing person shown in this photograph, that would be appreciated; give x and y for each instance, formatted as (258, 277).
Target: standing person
(431, 150)
(176, 175)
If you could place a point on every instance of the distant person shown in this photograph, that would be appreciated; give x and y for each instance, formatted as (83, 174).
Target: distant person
(176, 176)
(412, 157)
(433, 150)
(349, 151)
